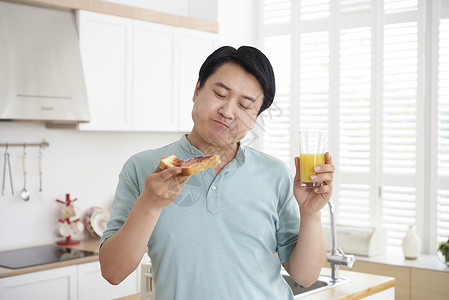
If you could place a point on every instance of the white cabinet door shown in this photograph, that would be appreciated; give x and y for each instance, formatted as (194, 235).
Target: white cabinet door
(140, 76)
(91, 285)
(194, 47)
(55, 284)
(105, 43)
(154, 81)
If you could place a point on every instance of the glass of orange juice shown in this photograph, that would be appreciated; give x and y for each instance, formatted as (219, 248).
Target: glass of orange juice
(312, 147)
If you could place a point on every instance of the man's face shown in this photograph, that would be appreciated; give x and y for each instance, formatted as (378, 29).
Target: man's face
(226, 107)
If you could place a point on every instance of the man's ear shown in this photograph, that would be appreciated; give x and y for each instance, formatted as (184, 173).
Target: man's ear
(197, 90)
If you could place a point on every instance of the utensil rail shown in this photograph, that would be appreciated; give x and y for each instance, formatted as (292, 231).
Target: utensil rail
(44, 144)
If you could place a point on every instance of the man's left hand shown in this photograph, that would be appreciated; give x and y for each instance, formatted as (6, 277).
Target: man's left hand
(313, 199)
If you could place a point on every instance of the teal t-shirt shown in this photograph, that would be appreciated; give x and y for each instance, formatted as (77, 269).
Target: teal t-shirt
(218, 239)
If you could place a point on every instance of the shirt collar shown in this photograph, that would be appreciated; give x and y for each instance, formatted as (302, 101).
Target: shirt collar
(188, 148)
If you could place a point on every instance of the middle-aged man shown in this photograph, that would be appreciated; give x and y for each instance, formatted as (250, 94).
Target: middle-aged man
(215, 235)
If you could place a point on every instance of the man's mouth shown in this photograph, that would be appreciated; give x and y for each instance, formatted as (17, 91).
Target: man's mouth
(221, 123)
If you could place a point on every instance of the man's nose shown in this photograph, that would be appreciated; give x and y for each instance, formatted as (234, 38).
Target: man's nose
(227, 110)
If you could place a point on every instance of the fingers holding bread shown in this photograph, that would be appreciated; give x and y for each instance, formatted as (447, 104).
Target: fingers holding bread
(164, 184)
(173, 173)
(167, 173)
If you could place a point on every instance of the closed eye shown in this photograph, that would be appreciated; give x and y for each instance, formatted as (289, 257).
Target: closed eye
(219, 95)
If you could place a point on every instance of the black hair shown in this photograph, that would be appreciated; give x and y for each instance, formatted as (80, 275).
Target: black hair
(252, 60)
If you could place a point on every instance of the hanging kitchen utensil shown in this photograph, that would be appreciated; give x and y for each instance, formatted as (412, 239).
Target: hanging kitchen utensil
(41, 193)
(25, 194)
(4, 171)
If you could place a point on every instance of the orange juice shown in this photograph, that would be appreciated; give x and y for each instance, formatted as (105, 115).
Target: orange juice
(307, 162)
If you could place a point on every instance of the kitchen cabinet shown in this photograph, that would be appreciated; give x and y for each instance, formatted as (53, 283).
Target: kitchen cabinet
(402, 275)
(411, 283)
(75, 282)
(154, 106)
(429, 285)
(56, 284)
(91, 285)
(194, 47)
(140, 76)
(105, 44)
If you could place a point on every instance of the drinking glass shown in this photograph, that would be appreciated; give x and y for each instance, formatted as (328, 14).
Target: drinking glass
(312, 147)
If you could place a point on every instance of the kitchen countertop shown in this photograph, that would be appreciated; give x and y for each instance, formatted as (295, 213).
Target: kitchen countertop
(395, 257)
(360, 285)
(88, 245)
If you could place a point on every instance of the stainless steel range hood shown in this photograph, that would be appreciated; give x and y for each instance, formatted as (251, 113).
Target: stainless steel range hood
(41, 75)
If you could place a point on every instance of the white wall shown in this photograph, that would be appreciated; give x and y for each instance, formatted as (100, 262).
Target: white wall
(201, 9)
(237, 22)
(87, 164)
(84, 164)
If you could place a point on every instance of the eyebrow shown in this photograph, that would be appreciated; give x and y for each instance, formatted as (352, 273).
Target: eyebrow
(221, 84)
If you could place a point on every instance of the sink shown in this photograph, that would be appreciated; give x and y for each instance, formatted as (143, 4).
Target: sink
(324, 282)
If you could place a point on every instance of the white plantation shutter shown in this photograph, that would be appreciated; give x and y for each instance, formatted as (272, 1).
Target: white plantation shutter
(354, 127)
(276, 11)
(314, 9)
(443, 131)
(314, 81)
(398, 212)
(397, 6)
(399, 98)
(443, 215)
(353, 205)
(355, 102)
(275, 121)
(360, 69)
(355, 6)
(399, 132)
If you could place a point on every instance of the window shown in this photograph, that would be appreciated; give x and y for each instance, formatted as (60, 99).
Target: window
(276, 121)
(377, 78)
(442, 127)
(354, 126)
(398, 128)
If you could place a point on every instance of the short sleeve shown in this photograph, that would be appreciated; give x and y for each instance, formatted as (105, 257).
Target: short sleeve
(288, 228)
(126, 195)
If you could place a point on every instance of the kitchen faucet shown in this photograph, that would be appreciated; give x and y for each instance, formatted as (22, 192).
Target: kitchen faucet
(336, 256)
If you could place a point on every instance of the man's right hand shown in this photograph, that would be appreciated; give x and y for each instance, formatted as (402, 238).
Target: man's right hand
(163, 186)
(122, 252)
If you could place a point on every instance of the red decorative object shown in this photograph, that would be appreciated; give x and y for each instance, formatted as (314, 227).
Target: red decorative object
(68, 211)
